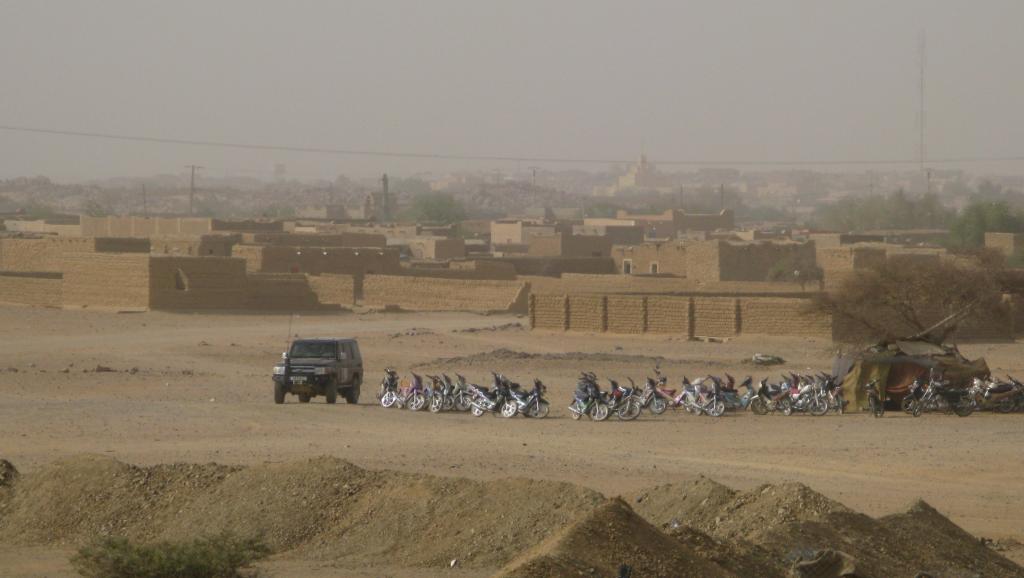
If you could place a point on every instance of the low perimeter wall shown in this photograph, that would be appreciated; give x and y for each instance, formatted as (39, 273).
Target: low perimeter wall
(35, 289)
(433, 294)
(681, 315)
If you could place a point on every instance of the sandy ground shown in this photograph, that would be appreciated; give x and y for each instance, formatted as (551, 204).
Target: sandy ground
(196, 388)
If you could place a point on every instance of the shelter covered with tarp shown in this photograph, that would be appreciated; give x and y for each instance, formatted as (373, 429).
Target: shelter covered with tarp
(897, 364)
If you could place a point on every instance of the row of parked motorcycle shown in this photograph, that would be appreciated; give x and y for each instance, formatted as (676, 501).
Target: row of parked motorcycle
(934, 394)
(710, 395)
(816, 395)
(442, 393)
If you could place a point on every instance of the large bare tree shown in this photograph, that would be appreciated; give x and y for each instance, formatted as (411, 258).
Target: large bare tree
(902, 297)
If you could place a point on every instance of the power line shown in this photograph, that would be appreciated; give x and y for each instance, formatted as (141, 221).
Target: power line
(496, 158)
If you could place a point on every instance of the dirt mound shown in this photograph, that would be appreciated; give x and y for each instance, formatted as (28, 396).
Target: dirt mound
(324, 508)
(942, 548)
(328, 510)
(754, 515)
(76, 499)
(773, 525)
(694, 504)
(742, 560)
(608, 537)
(416, 520)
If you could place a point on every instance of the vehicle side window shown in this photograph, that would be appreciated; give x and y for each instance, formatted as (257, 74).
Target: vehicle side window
(355, 350)
(346, 351)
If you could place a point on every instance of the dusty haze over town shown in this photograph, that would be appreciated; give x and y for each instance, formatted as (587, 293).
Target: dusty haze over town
(511, 289)
(684, 81)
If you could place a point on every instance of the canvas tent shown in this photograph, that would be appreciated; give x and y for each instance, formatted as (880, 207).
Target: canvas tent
(897, 364)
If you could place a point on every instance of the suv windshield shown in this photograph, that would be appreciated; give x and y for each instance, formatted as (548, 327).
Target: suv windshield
(319, 349)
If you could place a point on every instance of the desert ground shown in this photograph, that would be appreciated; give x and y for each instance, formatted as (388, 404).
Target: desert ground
(196, 388)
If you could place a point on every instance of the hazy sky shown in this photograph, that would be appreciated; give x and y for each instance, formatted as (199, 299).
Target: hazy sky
(710, 80)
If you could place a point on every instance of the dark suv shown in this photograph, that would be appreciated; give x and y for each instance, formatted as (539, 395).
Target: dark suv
(324, 367)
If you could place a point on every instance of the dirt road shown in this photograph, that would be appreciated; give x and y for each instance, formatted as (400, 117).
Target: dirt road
(196, 388)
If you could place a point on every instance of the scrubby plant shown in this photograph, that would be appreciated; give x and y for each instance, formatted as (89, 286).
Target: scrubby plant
(220, 556)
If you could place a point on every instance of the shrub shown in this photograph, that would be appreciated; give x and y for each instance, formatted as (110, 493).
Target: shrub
(220, 556)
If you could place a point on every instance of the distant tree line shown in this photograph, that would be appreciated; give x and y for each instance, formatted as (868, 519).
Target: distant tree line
(991, 209)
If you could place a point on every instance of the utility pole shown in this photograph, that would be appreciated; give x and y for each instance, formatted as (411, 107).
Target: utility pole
(721, 197)
(922, 61)
(145, 210)
(533, 181)
(192, 189)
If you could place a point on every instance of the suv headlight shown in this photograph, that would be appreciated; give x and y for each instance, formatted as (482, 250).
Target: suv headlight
(278, 370)
(320, 371)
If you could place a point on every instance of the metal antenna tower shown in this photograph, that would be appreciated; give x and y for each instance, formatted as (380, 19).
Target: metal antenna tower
(922, 118)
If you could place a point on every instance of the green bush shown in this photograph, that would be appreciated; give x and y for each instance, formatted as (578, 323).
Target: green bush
(220, 556)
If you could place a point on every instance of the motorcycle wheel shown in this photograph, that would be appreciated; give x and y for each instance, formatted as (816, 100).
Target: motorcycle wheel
(509, 409)
(476, 411)
(786, 407)
(436, 404)
(416, 402)
(630, 411)
(599, 412)
(575, 413)
(462, 404)
(758, 406)
(963, 409)
(716, 409)
(388, 399)
(539, 410)
(916, 408)
(907, 405)
(817, 407)
(1005, 406)
(658, 406)
(877, 409)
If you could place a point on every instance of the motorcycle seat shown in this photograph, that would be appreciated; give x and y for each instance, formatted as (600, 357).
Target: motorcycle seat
(671, 392)
(1001, 388)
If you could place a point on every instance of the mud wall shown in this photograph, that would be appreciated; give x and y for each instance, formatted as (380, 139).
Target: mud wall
(667, 258)
(549, 312)
(143, 226)
(715, 316)
(755, 261)
(839, 263)
(670, 315)
(35, 289)
(344, 239)
(195, 245)
(318, 260)
(280, 292)
(772, 316)
(47, 253)
(437, 248)
(106, 280)
(434, 294)
(554, 266)
(626, 313)
(334, 289)
(246, 226)
(44, 227)
(700, 316)
(588, 313)
(196, 283)
(28, 255)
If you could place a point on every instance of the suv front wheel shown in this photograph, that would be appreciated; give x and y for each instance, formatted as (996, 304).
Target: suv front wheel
(352, 394)
(331, 392)
(278, 392)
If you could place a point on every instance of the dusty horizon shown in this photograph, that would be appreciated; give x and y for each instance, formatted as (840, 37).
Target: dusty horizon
(797, 81)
